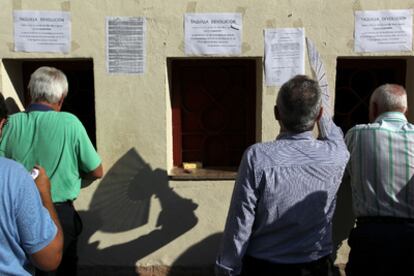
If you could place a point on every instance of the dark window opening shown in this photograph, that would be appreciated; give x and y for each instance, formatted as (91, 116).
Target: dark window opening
(356, 79)
(81, 96)
(213, 110)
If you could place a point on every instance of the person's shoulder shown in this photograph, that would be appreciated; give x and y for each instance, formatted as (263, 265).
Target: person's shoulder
(259, 151)
(60, 116)
(17, 116)
(363, 127)
(9, 163)
(11, 167)
(258, 147)
(67, 116)
(263, 145)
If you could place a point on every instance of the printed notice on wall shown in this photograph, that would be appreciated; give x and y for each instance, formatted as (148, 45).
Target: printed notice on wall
(380, 31)
(284, 54)
(213, 33)
(125, 45)
(42, 31)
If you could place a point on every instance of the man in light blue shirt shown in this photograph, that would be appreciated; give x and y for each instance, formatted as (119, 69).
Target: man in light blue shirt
(28, 235)
(30, 232)
(381, 171)
(280, 217)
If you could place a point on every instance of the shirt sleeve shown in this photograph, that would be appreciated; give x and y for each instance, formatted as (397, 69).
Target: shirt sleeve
(240, 220)
(88, 158)
(35, 227)
(327, 128)
(349, 141)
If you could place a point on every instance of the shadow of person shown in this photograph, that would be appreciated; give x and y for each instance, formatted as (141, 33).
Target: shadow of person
(306, 214)
(200, 258)
(122, 203)
(344, 218)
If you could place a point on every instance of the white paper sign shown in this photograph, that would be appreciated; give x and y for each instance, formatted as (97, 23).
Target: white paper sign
(284, 54)
(42, 31)
(380, 31)
(125, 45)
(213, 33)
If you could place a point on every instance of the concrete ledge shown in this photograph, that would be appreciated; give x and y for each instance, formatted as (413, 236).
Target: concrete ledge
(145, 271)
(102, 270)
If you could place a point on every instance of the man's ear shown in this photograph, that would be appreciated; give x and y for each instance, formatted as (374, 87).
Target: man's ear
(60, 103)
(373, 111)
(276, 113)
(406, 112)
(320, 114)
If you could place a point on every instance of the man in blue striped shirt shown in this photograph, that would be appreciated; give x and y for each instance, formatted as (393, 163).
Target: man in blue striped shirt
(280, 217)
(381, 170)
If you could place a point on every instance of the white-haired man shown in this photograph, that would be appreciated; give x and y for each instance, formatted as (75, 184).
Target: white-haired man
(280, 217)
(58, 142)
(381, 170)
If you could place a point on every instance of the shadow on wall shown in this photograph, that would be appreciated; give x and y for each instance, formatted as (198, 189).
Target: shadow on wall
(193, 261)
(207, 249)
(122, 203)
(343, 220)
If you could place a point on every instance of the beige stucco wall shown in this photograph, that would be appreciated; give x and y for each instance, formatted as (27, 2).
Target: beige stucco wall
(133, 120)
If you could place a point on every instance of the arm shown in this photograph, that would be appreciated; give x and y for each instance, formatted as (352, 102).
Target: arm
(89, 177)
(50, 256)
(90, 164)
(351, 142)
(240, 220)
(327, 128)
(94, 174)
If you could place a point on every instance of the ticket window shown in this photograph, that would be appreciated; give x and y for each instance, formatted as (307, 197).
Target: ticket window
(81, 97)
(356, 79)
(213, 105)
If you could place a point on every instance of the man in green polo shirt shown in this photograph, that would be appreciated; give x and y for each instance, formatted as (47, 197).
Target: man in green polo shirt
(57, 141)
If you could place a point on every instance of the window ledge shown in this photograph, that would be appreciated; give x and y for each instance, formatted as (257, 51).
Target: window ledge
(219, 173)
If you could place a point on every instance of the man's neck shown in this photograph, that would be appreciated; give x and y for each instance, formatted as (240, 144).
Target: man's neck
(54, 106)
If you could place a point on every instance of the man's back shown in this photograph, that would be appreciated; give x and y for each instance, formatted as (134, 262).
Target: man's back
(25, 226)
(280, 216)
(382, 160)
(381, 168)
(297, 178)
(55, 140)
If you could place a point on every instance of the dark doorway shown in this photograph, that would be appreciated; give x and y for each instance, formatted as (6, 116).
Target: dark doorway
(81, 96)
(356, 79)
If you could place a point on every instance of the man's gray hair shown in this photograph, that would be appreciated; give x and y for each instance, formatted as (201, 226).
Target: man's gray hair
(48, 84)
(389, 97)
(299, 102)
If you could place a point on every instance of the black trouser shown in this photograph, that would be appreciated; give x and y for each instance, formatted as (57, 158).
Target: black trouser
(381, 246)
(322, 267)
(72, 226)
